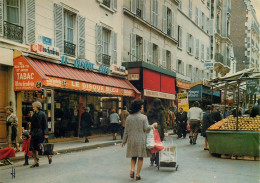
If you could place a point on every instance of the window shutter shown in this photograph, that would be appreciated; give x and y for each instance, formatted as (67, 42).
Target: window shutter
(211, 27)
(133, 6)
(115, 4)
(193, 78)
(197, 16)
(30, 21)
(201, 19)
(99, 46)
(164, 58)
(114, 52)
(173, 24)
(207, 53)
(202, 51)
(180, 38)
(59, 27)
(187, 42)
(159, 57)
(187, 70)
(133, 47)
(156, 14)
(152, 11)
(197, 48)
(150, 53)
(172, 65)
(144, 9)
(192, 45)
(164, 21)
(1, 17)
(182, 68)
(81, 36)
(144, 50)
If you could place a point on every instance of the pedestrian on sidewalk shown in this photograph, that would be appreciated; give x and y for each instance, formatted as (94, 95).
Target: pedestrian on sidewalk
(11, 128)
(216, 116)
(181, 119)
(39, 132)
(157, 115)
(195, 116)
(206, 123)
(114, 123)
(123, 115)
(135, 136)
(26, 146)
(85, 124)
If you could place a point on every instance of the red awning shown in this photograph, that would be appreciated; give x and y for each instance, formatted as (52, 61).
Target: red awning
(32, 74)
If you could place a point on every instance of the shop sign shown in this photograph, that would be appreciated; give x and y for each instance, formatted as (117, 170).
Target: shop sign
(252, 87)
(103, 69)
(183, 85)
(183, 101)
(45, 40)
(133, 77)
(90, 87)
(116, 69)
(45, 50)
(81, 64)
(157, 94)
(208, 64)
(25, 77)
(195, 93)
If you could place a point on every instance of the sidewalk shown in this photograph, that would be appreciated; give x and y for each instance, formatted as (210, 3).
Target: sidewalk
(79, 145)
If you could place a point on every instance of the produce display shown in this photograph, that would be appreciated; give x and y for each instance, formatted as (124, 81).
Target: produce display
(244, 124)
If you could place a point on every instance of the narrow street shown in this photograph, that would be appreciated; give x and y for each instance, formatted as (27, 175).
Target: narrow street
(109, 164)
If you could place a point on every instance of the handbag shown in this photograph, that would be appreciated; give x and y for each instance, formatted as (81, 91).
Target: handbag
(46, 148)
(158, 146)
(150, 139)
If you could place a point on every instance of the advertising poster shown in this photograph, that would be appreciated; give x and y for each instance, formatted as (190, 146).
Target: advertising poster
(183, 101)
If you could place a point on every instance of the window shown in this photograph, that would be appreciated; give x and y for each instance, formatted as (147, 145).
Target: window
(207, 26)
(105, 40)
(155, 13)
(13, 11)
(155, 55)
(179, 66)
(180, 4)
(218, 23)
(68, 26)
(106, 3)
(202, 20)
(168, 21)
(69, 29)
(189, 43)
(190, 9)
(208, 53)
(197, 48)
(179, 36)
(202, 51)
(139, 48)
(168, 60)
(197, 16)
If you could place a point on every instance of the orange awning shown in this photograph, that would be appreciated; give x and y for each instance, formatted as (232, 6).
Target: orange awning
(32, 74)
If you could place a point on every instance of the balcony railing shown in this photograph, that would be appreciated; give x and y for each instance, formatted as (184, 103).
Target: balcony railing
(138, 12)
(69, 49)
(106, 3)
(106, 59)
(219, 58)
(13, 32)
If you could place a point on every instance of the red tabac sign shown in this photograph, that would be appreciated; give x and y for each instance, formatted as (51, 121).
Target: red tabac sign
(25, 77)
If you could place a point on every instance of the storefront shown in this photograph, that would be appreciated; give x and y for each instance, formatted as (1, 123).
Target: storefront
(153, 85)
(65, 91)
(203, 94)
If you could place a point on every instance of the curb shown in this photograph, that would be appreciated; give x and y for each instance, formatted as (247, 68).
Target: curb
(68, 150)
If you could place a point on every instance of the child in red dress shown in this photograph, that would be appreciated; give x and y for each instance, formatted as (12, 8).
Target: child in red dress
(26, 146)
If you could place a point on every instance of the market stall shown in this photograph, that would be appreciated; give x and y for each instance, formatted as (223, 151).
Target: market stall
(224, 139)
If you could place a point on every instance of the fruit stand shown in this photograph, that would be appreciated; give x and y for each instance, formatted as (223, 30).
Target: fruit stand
(224, 139)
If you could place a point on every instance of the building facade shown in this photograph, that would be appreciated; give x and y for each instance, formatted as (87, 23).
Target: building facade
(66, 55)
(245, 35)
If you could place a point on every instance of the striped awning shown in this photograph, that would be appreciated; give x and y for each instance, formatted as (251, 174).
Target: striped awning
(32, 74)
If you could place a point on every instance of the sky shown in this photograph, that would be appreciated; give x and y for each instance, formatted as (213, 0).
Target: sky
(256, 4)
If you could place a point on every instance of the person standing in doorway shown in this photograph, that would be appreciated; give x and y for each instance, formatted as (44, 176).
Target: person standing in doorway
(123, 115)
(85, 124)
(11, 128)
(39, 132)
(114, 121)
(181, 120)
(195, 116)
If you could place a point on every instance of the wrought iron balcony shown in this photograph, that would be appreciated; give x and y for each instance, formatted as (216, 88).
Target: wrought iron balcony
(13, 32)
(139, 12)
(106, 60)
(106, 3)
(69, 49)
(219, 58)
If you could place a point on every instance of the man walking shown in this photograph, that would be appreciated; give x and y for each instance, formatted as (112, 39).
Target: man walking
(181, 120)
(195, 116)
(85, 124)
(123, 115)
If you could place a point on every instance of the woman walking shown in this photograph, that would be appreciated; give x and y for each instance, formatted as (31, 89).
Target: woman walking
(39, 132)
(135, 136)
(156, 114)
(12, 125)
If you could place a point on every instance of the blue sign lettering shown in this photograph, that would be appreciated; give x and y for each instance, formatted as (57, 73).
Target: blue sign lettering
(64, 60)
(46, 40)
(103, 69)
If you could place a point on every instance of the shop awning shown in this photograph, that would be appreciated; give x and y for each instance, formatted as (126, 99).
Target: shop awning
(32, 74)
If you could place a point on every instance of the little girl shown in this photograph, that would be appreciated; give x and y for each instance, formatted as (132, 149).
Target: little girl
(26, 146)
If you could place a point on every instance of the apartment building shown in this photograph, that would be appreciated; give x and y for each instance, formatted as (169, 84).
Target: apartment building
(245, 35)
(66, 55)
(150, 47)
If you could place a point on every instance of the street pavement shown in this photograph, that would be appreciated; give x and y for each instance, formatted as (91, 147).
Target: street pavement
(109, 164)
